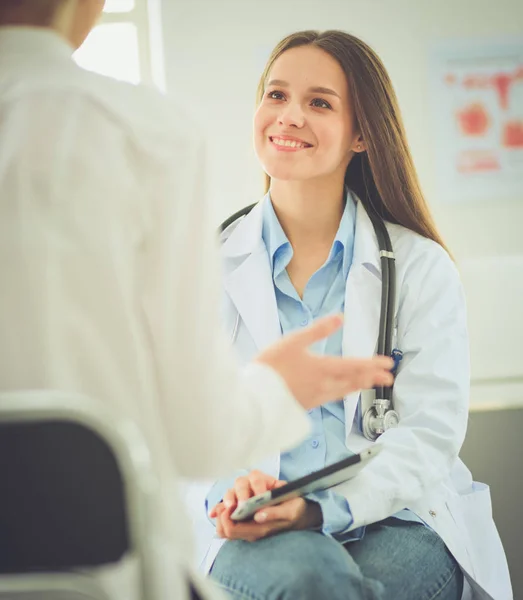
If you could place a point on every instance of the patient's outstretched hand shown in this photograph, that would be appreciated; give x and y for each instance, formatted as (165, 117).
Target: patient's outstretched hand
(314, 379)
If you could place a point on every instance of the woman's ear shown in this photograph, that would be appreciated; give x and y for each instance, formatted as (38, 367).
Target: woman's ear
(359, 145)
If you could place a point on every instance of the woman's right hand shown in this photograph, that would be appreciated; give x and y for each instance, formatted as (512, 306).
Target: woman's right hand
(314, 379)
(245, 487)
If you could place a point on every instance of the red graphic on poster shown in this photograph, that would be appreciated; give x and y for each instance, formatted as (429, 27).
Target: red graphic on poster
(502, 83)
(479, 125)
(473, 120)
(477, 161)
(513, 135)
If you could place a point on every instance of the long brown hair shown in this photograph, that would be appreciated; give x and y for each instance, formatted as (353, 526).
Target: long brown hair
(383, 177)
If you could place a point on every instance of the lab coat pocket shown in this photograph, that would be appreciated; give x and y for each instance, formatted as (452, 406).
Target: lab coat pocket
(472, 513)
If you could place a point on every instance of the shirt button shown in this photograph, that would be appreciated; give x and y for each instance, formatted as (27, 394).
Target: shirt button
(304, 322)
(315, 443)
(432, 513)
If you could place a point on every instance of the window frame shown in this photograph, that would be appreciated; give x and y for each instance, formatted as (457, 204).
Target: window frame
(146, 17)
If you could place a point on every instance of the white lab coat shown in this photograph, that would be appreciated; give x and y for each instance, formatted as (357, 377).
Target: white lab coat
(110, 275)
(419, 466)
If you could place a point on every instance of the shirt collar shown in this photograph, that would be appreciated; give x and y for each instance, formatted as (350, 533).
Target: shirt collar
(272, 232)
(33, 42)
(275, 239)
(344, 239)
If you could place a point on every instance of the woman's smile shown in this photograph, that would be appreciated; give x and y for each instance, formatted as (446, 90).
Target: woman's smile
(287, 143)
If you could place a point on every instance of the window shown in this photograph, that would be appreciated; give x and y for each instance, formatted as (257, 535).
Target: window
(120, 46)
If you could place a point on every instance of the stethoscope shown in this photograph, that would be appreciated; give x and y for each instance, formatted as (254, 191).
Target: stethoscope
(381, 416)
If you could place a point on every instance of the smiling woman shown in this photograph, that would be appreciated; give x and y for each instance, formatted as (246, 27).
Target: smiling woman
(329, 135)
(312, 121)
(359, 96)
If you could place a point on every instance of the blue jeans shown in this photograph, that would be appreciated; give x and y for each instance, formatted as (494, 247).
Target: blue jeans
(395, 560)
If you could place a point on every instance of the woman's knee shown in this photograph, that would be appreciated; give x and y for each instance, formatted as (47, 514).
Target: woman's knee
(304, 564)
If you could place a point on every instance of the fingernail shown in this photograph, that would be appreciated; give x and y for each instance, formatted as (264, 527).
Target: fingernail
(260, 517)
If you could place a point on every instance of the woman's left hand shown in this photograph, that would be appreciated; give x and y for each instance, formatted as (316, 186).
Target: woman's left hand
(290, 515)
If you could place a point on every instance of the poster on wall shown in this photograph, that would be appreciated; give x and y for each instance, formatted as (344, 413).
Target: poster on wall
(477, 106)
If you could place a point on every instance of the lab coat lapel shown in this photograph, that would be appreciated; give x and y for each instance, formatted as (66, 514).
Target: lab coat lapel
(362, 301)
(248, 279)
(248, 283)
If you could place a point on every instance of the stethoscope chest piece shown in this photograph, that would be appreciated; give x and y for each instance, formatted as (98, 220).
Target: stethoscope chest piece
(378, 419)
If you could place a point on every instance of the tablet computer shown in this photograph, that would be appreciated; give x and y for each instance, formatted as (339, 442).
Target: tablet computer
(314, 482)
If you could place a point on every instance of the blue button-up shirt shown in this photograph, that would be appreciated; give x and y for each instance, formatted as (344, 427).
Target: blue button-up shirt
(323, 295)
